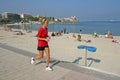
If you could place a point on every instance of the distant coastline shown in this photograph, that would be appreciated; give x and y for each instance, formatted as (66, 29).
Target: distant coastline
(11, 18)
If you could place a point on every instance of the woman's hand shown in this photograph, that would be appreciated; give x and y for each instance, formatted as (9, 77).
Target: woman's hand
(47, 39)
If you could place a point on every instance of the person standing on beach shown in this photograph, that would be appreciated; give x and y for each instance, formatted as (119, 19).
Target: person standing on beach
(43, 39)
(64, 30)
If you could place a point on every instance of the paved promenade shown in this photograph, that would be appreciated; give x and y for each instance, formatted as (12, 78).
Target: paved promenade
(15, 65)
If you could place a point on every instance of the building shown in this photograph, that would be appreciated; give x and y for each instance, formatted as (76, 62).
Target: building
(68, 19)
(25, 16)
(11, 16)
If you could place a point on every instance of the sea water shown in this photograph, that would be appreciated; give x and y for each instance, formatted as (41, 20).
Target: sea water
(85, 27)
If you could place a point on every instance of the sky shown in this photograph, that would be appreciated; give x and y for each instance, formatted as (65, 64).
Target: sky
(82, 9)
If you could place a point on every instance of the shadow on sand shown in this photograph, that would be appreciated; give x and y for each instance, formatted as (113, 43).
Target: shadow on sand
(93, 60)
(76, 61)
(55, 62)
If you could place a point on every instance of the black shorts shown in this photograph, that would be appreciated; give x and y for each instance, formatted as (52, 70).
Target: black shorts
(42, 48)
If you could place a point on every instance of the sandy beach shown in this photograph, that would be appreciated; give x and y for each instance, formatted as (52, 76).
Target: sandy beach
(64, 48)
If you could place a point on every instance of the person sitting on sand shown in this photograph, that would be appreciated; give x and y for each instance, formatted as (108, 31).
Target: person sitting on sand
(73, 35)
(116, 41)
(79, 38)
(87, 41)
(95, 34)
(53, 34)
(20, 33)
(109, 34)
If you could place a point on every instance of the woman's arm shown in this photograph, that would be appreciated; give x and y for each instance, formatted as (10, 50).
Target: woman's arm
(38, 38)
(45, 39)
(48, 36)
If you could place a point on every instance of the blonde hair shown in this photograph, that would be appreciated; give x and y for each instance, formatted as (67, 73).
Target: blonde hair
(43, 21)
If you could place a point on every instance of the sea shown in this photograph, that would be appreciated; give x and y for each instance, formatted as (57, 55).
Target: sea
(84, 27)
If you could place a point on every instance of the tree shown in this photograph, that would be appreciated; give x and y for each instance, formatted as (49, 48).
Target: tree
(4, 21)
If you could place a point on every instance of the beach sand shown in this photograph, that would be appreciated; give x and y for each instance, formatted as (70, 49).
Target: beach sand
(64, 48)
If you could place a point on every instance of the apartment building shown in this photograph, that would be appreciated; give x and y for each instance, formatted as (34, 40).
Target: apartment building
(11, 16)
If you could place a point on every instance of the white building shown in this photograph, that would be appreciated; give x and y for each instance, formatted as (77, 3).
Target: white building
(25, 16)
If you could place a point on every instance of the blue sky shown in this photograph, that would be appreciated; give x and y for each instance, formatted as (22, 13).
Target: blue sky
(84, 9)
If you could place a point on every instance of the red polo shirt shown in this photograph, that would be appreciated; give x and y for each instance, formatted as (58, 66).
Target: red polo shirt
(42, 33)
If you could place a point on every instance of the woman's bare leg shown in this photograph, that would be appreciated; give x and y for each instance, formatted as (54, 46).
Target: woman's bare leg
(40, 56)
(47, 51)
